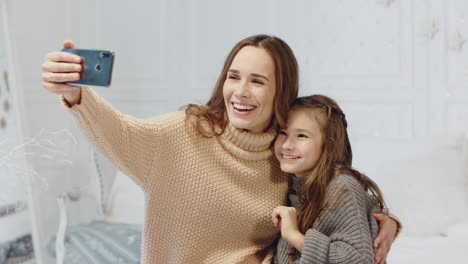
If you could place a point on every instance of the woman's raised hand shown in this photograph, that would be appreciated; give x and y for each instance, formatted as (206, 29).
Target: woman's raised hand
(60, 67)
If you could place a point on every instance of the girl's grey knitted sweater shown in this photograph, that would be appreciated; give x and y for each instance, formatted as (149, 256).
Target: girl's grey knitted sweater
(344, 233)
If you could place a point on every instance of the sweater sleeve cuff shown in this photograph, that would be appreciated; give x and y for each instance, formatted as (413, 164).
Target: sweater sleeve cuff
(316, 246)
(64, 102)
(89, 102)
(85, 92)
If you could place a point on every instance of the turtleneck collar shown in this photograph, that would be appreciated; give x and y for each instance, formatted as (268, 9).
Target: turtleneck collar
(248, 145)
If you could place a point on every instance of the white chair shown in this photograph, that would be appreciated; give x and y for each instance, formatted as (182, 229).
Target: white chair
(115, 236)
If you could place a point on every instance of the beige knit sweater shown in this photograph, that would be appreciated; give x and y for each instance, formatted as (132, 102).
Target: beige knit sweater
(208, 200)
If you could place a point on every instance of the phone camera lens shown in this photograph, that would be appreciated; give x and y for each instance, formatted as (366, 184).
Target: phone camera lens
(98, 67)
(104, 55)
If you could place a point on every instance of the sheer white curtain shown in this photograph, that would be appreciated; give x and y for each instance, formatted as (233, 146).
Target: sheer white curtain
(16, 196)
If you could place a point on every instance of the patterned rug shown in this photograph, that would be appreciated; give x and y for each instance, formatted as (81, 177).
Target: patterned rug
(101, 242)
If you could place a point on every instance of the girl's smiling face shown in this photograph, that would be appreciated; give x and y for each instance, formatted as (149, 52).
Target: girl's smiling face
(298, 147)
(249, 89)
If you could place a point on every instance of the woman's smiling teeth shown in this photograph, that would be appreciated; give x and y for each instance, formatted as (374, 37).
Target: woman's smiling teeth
(242, 107)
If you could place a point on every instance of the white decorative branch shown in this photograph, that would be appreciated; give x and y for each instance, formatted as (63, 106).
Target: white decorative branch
(431, 30)
(457, 43)
(48, 147)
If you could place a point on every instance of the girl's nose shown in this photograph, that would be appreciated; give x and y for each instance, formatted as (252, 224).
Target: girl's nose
(288, 144)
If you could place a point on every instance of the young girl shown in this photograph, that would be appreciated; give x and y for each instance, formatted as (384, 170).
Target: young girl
(330, 218)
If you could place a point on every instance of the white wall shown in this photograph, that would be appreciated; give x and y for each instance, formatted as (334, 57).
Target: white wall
(375, 57)
(397, 67)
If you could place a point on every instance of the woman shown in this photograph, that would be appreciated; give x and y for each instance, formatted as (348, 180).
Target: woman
(208, 173)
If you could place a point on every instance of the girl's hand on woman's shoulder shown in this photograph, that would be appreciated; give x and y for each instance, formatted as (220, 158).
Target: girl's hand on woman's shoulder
(388, 228)
(285, 218)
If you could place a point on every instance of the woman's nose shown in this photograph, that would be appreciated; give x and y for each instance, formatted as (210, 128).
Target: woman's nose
(243, 90)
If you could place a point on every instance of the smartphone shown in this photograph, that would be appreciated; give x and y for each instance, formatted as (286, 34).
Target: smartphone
(97, 66)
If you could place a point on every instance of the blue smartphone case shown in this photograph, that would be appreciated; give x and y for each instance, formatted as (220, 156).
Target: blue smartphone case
(97, 65)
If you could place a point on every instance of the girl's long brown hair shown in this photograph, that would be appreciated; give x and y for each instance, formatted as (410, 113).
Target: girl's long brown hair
(213, 115)
(336, 159)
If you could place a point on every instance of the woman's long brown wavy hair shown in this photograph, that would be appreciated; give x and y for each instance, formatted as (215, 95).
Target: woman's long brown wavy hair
(210, 117)
(336, 159)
